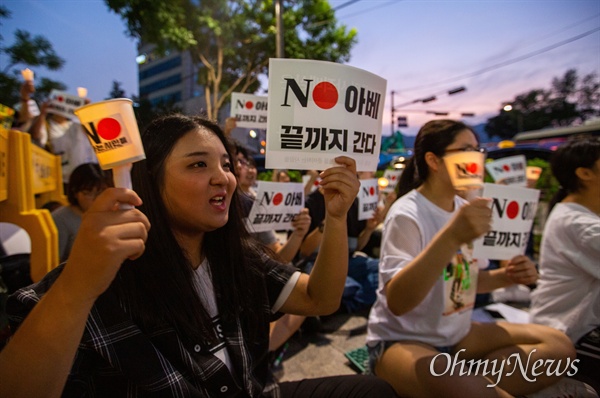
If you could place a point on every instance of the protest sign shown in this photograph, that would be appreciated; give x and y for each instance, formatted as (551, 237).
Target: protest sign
(320, 110)
(393, 176)
(368, 197)
(249, 110)
(509, 170)
(513, 212)
(64, 104)
(275, 206)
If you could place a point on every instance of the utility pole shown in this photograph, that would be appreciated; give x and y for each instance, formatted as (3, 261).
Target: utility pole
(393, 120)
(279, 29)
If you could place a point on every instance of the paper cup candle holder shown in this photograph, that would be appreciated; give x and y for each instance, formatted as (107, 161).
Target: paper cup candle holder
(466, 169)
(113, 132)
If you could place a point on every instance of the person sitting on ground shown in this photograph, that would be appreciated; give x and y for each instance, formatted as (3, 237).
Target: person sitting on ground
(420, 324)
(87, 181)
(567, 296)
(187, 314)
(361, 281)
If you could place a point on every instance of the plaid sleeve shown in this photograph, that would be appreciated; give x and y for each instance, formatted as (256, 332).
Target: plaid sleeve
(278, 275)
(21, 302)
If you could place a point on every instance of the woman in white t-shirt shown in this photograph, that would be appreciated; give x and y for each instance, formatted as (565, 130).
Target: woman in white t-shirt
(420, 330)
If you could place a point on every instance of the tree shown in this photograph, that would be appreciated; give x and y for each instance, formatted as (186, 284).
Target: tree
(117, 91)
(30, 51)
(232, 40)
(569, 100)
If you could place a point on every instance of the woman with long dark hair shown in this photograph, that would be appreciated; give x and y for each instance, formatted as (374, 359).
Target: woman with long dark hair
(420, 327)
(188, 312)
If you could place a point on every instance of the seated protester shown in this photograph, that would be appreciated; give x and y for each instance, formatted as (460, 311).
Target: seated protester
(188, 312)
(86, 183)
(567, 296)
(420, 326)
(361, 281)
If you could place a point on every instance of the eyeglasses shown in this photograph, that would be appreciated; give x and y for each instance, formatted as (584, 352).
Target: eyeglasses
(467, 149)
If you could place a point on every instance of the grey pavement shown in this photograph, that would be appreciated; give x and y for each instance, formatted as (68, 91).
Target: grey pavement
(321, 353)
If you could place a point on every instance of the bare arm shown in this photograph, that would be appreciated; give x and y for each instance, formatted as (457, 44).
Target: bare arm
(411, 285)
(38, 358)
(519, 270)
(300, 225)
(321, 291)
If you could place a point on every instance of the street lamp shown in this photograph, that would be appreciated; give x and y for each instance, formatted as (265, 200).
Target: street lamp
(508, 108)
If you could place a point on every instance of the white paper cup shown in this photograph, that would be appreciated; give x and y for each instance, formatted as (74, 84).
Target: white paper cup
(465, 169)
(27, 74)
(533, 173)
(113, 132)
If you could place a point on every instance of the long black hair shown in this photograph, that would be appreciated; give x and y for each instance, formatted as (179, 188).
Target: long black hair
(434, 136)
(159, 286)
(578, 152)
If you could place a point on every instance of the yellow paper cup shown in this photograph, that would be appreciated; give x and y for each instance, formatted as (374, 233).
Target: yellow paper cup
(113, 132)
(27, 74)
(465, 169)
(82, 92)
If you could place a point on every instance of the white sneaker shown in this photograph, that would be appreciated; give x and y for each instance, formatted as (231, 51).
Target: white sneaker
(566, 388)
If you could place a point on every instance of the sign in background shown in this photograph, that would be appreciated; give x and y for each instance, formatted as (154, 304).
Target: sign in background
(368, 198)
(320, 110)
(275, 206)
(249, 110)
(393, 176)
(64, 104)
(508, 171)
(513, 212)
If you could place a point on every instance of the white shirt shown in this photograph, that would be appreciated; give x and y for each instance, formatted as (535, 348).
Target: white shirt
(567, 296)
(443, 318)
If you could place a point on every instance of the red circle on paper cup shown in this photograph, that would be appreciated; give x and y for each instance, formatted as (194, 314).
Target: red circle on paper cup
(109, 128)
(472, 168)
(512, 210)
(277, 199)
(325, 95)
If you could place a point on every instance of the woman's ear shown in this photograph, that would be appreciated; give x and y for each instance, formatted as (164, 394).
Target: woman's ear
(433, 161)
(584, 174)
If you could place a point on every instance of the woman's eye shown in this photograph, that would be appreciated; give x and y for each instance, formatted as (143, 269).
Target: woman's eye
(227, 166)
(200, 164)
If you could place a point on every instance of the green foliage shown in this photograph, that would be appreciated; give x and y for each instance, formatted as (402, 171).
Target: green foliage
(570, 99)
(547, 184)
(116, 91)
(232, 40)
(267, 175)
(26, 51)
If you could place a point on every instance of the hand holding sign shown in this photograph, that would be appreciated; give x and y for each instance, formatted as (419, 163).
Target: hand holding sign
(522, 270)
(340, 186)
(113, 132)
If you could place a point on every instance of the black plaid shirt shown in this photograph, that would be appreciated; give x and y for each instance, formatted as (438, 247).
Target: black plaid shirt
(116, 359)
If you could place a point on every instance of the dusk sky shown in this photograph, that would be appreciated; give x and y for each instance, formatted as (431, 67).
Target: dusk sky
(497, 49)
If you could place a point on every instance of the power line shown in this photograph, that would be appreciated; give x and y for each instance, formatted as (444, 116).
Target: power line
(507, 62)
(346, 4)
(316, 24)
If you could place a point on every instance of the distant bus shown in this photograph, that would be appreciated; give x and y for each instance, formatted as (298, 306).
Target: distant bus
(552, 137)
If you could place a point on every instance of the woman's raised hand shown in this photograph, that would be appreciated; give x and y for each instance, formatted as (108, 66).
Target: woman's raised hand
(340, 186)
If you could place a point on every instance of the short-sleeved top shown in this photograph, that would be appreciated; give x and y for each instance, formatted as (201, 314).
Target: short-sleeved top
(116, 358)
(567, 296)
(443, 318)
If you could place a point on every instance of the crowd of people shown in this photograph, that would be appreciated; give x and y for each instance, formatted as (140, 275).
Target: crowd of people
(176, 297)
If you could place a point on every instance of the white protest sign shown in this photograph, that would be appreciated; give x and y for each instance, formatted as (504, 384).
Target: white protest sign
(393, 176)
(513, 211)
(368, 197)
(320, 110)
(509, 170)
(249, 110)
(64, 104)
(276, 204)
